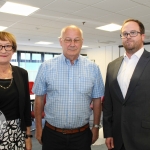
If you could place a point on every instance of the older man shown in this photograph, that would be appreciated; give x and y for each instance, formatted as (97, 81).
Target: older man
(70, 83)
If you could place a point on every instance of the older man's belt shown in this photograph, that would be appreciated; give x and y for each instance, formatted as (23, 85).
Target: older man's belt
(67, 131)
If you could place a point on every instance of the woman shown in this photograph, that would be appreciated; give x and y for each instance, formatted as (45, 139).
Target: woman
(14, 98)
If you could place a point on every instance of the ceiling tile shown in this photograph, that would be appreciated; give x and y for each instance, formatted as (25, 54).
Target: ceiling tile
(35, 28)
(48, 14)
(112, 18)
(56, 24)
(35, 21)
(24, 26)
(131, 13)
(6, 23)
(115, 5)
(10, 17)
(91, 12)
(87, 2)
(72, 20)
(143, 2)
(23, 32)
(144, 19)
(65, 6)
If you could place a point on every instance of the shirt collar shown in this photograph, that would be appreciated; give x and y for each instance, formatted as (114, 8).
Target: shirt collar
(67, 61)
(137, 54)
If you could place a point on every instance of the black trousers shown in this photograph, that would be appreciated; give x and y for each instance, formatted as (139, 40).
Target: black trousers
(53, 140)
(122, 148)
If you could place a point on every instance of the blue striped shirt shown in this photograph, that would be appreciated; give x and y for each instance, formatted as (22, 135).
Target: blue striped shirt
(70, 89)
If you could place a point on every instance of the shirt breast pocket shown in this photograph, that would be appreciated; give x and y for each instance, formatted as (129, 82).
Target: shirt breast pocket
(85, 85)
(52, 82)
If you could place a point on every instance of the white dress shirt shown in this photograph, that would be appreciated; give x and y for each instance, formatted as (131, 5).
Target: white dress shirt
(126, 70)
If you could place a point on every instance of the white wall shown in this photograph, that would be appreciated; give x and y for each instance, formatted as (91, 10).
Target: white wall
(103, 56)
(147, 47)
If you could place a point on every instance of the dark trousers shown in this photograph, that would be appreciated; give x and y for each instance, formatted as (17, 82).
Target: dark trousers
(53, 140)
(122, 148)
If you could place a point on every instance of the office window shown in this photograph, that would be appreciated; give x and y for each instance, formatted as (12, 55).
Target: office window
(14, 59)
(36, 57)
(25, 56)
(31, 61)
(48, 56)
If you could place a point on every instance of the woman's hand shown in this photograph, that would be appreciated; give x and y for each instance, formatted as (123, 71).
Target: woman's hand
(28, 143)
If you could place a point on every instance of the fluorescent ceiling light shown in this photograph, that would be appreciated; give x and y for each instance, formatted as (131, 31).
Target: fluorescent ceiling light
(2, 28)
(110, 27)
(83, 46)
(44, 43)
(18, 9)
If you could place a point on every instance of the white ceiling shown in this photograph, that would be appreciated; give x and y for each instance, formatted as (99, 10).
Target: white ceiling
(46, 23)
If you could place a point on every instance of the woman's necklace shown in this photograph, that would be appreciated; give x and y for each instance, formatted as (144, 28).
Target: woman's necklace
(8, 85)
(10, 82)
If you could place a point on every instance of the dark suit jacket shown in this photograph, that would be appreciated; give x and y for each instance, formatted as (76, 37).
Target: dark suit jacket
(20, 77)
(128, 120)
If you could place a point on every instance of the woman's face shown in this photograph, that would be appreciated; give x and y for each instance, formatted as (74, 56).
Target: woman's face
(5, 52)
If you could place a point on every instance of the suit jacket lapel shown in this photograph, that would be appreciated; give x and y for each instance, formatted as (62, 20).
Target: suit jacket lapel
(137, 73)
(116, 85)
(17, 80)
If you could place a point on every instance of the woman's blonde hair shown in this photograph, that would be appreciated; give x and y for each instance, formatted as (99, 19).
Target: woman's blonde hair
(4, 36)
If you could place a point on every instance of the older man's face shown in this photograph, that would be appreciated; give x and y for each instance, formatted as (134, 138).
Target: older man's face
(71, 43)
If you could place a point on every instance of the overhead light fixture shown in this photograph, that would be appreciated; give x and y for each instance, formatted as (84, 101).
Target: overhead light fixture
(2, 28)
(110, 27)
(84, 46)
(44, 43)
(17, 9)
